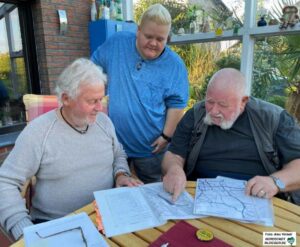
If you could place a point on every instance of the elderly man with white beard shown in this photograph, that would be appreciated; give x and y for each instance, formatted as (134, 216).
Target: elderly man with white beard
(231, 134)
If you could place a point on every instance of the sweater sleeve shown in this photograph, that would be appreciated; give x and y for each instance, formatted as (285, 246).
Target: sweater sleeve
(21, 164)
(120, 158)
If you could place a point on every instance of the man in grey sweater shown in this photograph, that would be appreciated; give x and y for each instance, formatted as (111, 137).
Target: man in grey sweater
(72, 151)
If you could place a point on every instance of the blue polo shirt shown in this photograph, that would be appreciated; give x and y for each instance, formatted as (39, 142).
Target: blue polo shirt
(140, 91)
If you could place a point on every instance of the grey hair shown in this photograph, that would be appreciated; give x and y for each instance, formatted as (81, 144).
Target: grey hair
(81, 72)
(158, 14)
(229, 79)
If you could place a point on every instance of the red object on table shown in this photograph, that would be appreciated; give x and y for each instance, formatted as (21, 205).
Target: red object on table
(184, 234)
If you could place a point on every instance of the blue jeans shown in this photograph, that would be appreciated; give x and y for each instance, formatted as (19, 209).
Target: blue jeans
(148, 169)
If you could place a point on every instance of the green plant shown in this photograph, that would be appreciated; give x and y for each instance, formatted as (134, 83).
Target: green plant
(278, 100)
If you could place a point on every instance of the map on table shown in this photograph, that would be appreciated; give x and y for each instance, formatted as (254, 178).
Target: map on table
(226, 198)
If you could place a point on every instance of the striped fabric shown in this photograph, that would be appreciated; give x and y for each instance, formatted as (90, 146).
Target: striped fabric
(36, 105)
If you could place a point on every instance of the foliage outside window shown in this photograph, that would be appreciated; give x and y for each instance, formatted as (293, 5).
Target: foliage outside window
(13, 76)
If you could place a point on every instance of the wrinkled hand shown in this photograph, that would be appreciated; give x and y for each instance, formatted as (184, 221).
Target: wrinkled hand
(174, 181)
(159, 145)
(261, 186)
(127, 181)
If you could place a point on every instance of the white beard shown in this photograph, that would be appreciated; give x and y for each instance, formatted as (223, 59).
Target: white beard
(225, 124)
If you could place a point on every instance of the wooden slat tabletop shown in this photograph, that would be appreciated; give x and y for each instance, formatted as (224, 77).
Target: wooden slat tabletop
(287, 219)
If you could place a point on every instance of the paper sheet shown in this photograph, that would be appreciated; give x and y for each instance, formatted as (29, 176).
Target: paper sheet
(129, 209)
(225, 197)
(74, 231)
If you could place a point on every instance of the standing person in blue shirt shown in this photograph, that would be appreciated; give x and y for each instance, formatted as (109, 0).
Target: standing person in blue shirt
(147, 88)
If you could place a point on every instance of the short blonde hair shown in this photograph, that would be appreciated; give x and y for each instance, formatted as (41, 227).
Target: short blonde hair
(158, 14)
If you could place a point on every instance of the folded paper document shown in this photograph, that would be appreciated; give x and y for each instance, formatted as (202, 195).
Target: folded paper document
(225, 197)
(129, 209)
(73, 231)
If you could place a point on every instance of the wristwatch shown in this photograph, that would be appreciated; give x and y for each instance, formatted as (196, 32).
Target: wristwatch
(121, 174)
(167, 138)
(278, 182)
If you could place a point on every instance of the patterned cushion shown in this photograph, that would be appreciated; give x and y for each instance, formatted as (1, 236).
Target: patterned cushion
(36, 105)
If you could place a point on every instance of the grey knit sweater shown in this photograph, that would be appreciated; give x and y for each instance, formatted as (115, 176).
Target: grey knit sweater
(68, 167)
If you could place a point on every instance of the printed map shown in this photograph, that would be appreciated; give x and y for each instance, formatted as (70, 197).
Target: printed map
(225, 197)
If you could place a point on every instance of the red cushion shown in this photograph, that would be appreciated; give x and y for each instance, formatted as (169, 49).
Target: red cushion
(36, 105)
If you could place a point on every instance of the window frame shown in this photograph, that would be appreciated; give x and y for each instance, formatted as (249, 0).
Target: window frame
(28, 52)
(247, 34)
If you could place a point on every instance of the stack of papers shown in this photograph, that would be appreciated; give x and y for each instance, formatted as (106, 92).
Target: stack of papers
(129, 209)
(73, 231)
(225, 197)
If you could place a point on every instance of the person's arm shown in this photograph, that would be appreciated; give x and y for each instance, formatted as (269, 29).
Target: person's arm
(121, 171)
(173, 117)
(174, 180)
(176, 99)
(264, 186)
(288, 143)
(290, 175)
(21, 164)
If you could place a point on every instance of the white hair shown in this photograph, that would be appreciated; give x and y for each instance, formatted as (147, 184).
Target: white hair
(81, 72)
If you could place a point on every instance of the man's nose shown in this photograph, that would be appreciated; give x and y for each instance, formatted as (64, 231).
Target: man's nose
(214, 109)
(98, 106)
(153, 42)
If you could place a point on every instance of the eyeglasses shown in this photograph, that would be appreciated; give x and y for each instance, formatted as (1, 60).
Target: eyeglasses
(64, 231)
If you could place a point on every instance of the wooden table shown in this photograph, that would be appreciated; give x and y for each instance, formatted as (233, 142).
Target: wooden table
(287, 219)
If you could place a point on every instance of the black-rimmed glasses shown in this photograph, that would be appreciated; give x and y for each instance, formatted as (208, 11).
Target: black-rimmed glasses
(64, 231)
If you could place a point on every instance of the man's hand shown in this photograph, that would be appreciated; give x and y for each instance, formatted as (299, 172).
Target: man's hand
(261, 186)
(174, 181)
(124, 180)
(159, 145)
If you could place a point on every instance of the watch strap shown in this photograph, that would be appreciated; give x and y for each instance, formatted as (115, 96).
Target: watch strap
(278, 182)
(167, 138)
(121, 174)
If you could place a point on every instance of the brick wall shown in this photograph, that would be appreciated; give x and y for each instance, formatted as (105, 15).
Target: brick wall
(4, 151)
(55, 51)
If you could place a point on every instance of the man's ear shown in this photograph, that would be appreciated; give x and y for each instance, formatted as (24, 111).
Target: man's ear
(65, 99)
(245, 100)
(169, 39)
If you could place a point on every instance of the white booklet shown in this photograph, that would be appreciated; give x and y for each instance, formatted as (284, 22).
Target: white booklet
(225, 197)
(129, 209)
(71, 231)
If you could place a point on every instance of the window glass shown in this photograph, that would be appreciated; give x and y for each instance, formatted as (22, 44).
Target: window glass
(276, 68)
(3, 37)
(205, 16)
(16, 41)
(13, 77)
(271, 11)
(5, 69)
(21, 76)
